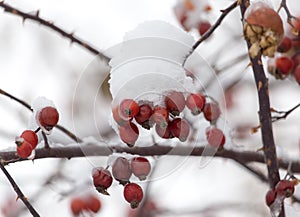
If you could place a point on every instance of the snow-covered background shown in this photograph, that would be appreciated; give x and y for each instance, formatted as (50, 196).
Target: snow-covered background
(36, 61)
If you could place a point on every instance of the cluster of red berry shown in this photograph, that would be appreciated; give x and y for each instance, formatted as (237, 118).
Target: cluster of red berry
(122, 170)
(167, 124)
(28, 140)
(283, 189)
(289, 62)
(184, 12)
(89, 203)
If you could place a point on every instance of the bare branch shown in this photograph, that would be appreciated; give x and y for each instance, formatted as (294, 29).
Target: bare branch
(283, 114)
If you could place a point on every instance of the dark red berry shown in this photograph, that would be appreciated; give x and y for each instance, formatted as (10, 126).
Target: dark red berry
(271, 197)
(195, 102)
(285, 45)
(121, 170)
(142, 118)
(129, 134)
(215, 137)
(133, 194)
(160, 116)
(211, 111)
(180, 129)
(129, 108)
(284, 66)
(175, 102)
(31, 137)
(24, 149)
(285, 188)
(116, 115)
(296, 59)
(164, 132)
(203, 27)
(297, 74)
(77, 206)
(92, 203)
(48, 117)
(140, 167)
(102, 179)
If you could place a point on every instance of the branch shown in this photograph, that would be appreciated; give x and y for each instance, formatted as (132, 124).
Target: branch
(283, 114)
(225, 12)
(283, 5)
(18, 191)
(36, 17)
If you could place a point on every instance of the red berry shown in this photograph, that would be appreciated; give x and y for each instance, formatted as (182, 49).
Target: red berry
(297, 74)
(142, 118)
(164, 132)
(116, 115)
(211, 111)
(140, 167)
(24, 149)
(175, 102)
(284, 66)
(129, 108)
(215, 137)
(160, 116)
(195, 102)
(102, 179)
(180, 129)
(285, 188)
(129, 134)
(203, 27)
(121, 170)
(93, 203)
(31, 137)
(271, 197)
(285, 45)
(133, 194)
(296, 59)
(48, 117)
(77, 206)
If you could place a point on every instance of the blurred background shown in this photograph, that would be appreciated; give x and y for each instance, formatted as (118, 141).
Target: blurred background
(36, 61)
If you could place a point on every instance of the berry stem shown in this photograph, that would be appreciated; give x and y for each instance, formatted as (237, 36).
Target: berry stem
(18, 191)
(46, 145)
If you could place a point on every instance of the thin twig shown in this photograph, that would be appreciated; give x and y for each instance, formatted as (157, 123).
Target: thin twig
(283, 114)
(19, 192)
(36, 17)
(290, 17)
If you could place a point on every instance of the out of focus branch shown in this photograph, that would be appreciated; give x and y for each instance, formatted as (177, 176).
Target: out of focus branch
(36, 17)
(290, 17)
(18, 191)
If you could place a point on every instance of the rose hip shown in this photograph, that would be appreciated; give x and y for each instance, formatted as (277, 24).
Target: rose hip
(133, 194)
(180, 129)
(175, 102)
(121, 170)
(129, 133)
(140, 167)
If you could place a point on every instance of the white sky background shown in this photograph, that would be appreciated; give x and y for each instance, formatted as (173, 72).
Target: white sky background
(36, 61)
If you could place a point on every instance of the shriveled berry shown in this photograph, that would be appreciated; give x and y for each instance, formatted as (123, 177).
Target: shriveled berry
(175, 102)
(215, 137)
(284, 66)
(195, 102)
(102, 179)
(285, 188)
(116, 115)
(48, 117)
(180, 129)
(24, 149)
(121, 170)
(93, 203)
(203, 27)
(285, 45)
(297, 74)
(133, 194)
(129, 108)
(140, 167)
(271, 197)
(160, 116)
(31, 137)
(164, 132)
(142, 118)
(77, 205)
(129, 134)
(211, 111)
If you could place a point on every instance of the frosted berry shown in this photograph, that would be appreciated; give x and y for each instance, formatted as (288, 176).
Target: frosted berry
(102, 179)
(31, 137)
(121, 170)
(129, 108)
(160, 116)
(271, 197)
(24, 149)
(77, 205)
(116, 116)
(164, 132)
(285, 188)
(180, 129)
(211, 111)
(142, 118)
(284, 66)
(48, 117)
(129, 133)
(175, 102)
(92, 203)
(215, 137)
(297, 74)
(285, 45)
(203, 27)
(195, 102)
(140, 167)
(133, 194)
